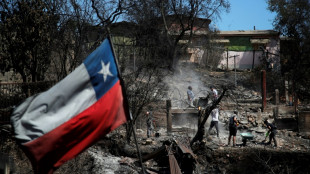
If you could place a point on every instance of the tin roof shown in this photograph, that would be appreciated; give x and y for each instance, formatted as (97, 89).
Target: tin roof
(220, 41)
(259, 41)
(248, 32)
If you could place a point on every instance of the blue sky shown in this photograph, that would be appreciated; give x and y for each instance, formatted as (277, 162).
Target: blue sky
(244, 15)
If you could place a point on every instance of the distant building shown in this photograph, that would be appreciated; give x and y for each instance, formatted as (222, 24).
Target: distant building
(195, 41)
(250, 49)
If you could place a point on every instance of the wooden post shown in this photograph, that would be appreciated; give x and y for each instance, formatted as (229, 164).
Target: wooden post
(169, 118)
(263, 83)
(277, 97)
(253, 58)
(295, 102)
(259, 117)
(276, 113)
(235, 70)
(287, 100)
(227, 60)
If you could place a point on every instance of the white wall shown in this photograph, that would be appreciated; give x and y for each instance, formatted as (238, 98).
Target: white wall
(244, 59)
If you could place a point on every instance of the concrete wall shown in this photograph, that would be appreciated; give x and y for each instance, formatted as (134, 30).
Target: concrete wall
(244, 59)
(304, 122)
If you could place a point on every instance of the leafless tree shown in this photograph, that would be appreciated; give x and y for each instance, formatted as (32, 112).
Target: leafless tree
(292, 20)
(144, 86)
(200, 132)
(214, 50)
(158, 28)
(26, 34)
(76, 37)
(173, 21)
(143, 80)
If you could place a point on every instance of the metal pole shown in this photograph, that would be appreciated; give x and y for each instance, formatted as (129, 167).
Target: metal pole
(126, 106)
(139, 152)
(234, 56)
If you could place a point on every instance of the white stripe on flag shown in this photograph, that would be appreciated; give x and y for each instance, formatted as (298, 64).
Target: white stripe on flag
(63, 101)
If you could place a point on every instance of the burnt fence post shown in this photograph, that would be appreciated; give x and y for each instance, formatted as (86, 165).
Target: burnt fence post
(169, 118)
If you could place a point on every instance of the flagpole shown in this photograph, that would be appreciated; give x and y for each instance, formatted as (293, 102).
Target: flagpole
(126, 103)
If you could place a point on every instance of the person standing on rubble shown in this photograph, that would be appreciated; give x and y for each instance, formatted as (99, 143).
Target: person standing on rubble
(190, 96)
(214, 93)
(149, 123)
(233, 124)
(272, 130)
(215, 120)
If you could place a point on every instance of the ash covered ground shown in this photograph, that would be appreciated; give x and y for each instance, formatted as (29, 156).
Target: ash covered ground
(213, 155)
(113, 155)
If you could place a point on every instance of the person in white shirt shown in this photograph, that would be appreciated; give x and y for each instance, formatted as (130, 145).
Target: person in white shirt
(215, 120)
(214, 93)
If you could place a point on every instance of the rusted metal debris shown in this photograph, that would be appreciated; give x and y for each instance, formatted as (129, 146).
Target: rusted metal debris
(173, 163)
(179, 155)
(186, 148)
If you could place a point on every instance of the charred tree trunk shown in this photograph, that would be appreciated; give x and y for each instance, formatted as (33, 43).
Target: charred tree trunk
(200, 117)
(200, 131)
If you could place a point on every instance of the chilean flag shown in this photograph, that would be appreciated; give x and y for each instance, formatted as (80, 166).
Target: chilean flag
(55, 126)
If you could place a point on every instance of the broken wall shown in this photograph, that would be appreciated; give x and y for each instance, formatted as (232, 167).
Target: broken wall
(304, 122)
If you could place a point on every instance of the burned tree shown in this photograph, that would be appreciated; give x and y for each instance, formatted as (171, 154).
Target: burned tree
(200, 132)
(143, 86)
(159, 28)
(26, 36)
(174, 23)
(292, 21)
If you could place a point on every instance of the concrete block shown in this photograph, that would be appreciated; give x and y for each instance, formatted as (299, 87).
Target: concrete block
(304, 121)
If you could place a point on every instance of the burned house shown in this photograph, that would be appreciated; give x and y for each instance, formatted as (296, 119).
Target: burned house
(250, 49)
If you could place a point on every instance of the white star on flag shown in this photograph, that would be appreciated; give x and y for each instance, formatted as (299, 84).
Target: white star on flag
(105, 70)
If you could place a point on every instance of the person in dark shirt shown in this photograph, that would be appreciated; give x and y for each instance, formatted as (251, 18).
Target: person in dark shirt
(272, 131)
(233, 124)
(149, 123)
(190, 96)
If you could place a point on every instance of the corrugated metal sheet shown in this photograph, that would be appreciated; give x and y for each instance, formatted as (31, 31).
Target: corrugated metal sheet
(185, 149)
(174, 166)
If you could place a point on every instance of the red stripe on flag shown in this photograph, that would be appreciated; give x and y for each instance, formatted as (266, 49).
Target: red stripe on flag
(54, 148)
